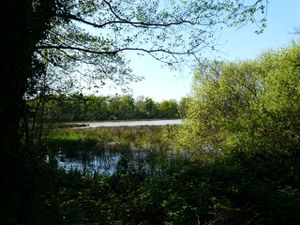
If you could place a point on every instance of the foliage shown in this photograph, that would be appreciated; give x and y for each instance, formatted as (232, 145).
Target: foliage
(240, 188)
(48, 44)
(90, 39)
(248, 110)
(77, 107)
(247, 105)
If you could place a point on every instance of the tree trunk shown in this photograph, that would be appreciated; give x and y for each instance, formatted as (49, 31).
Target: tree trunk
(16, 53)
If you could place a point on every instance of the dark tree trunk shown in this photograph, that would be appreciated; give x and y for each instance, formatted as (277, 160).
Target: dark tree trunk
(16, 53)
(24, 24)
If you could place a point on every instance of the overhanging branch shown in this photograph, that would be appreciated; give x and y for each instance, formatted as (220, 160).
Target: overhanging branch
(113, 52)
(135, 24)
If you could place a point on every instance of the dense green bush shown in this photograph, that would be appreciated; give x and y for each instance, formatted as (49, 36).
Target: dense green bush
(248, 105)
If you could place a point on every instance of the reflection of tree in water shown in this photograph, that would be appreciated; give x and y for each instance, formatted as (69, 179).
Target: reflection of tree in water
(134, 161)
(103, 163)
(110, 162)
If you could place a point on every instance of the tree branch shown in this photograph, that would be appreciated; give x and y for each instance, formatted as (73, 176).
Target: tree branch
(113, 52)
(123, 21)
(120, 20)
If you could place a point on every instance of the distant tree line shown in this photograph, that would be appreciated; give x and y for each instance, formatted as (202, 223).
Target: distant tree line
(79, 107)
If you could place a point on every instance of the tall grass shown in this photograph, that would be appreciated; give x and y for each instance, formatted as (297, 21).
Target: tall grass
(112, 138)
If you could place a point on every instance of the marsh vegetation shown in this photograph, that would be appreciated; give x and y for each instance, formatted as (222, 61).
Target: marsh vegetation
(234, 161)
(103, 148)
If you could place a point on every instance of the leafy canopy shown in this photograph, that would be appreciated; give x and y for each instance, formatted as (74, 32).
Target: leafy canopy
(87, 40)
(246, 105)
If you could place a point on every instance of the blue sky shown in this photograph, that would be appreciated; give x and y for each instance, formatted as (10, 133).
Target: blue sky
(234, 44)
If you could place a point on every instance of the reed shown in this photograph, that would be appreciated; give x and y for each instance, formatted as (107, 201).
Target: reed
(112, 138)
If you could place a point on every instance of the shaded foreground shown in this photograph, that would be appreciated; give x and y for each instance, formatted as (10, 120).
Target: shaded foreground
(240, 187)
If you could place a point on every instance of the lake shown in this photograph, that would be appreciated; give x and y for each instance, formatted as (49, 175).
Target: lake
(109, 162)
(131, 123)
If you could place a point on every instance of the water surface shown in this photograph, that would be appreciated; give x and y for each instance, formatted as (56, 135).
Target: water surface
(131, 123)
(109, 162)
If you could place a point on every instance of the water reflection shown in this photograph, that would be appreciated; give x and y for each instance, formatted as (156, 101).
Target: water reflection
(109, 162)
(103, 164)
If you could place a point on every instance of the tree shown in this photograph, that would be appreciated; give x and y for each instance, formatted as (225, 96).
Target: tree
(168, 109)
(127, 107)
(55, 37)
(97, 107)
(58, 36)
(150, 107)
(182, 107)
(220, 96)
(279, 124)
(250, 105)
(140, 108)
